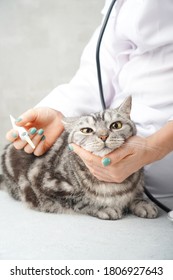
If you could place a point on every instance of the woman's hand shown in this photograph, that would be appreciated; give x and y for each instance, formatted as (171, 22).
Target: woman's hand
(44, 127)
(121, 163)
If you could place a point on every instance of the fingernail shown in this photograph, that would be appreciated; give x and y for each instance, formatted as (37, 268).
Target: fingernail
(70, 147)
(43, 138)
(106, 161)
(18, 120)
(14, 135)
(24, 133)
(33, 130)
(40, 131)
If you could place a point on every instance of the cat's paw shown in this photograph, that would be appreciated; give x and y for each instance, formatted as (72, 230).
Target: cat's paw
(109, 214)
(144, 209)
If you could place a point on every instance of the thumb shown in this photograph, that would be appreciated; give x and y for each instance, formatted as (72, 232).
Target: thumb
(27, 117)
(79, 151)
(119, 154)
(86, 156)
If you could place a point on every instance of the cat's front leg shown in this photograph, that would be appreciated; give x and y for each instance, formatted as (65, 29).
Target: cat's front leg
(29, 197)
(143, 208)
(109, 214)
(104, 213)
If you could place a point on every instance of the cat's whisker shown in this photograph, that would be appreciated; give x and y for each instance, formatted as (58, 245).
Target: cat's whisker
(138, 145)
(134, 144)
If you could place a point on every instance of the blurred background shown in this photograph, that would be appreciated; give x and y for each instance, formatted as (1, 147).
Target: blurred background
(40, 47)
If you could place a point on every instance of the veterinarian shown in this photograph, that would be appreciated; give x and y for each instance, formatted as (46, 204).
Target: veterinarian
(136, 59)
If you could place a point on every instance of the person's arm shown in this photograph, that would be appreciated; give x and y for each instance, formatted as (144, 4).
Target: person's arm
(78, 97)
(162, 140)
(135, 154)
(81, 95)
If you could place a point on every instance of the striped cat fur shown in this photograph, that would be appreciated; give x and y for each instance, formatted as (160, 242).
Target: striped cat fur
(59, 181)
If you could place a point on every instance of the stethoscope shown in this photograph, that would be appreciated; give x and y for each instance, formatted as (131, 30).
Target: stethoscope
(103, 103)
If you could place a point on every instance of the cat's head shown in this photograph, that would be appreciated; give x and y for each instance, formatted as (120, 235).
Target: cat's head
(103, 132)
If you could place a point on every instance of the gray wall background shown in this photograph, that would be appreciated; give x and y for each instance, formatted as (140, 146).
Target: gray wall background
(40, 46)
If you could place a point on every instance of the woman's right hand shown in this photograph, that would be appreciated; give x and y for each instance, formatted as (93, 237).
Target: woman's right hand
(44, 126)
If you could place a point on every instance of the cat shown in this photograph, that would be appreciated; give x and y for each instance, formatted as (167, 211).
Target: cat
(59, 181)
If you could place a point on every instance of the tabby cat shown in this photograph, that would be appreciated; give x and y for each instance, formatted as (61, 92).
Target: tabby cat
(59, 181)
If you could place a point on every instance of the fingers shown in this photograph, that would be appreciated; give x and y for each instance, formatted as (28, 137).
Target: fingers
(90, 159)
(86, 156)
(117, 155)
(41, 148)
(47, 118)
(12, 135)
(37, 138)
(93, 160)
(28, 117)
(40, 142)
(95, 164)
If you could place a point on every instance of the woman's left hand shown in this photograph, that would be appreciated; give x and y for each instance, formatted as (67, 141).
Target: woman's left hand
(121, 163)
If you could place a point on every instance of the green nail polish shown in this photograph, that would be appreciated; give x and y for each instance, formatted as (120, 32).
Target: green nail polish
(70, 148)
(43, 138)
(40, 131)
(18, 120)
(106, 161)
(24, 133)
(33, 130)
(14, 135)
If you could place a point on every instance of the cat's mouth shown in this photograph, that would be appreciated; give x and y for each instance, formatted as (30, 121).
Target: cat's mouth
(106, 148)
(102, 152)
(101, 148)
(112, 145)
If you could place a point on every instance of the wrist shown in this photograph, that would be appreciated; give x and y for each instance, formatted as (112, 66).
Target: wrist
(160, 143)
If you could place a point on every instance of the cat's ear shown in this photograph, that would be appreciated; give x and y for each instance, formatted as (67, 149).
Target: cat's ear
(69, 123)
(126, 106)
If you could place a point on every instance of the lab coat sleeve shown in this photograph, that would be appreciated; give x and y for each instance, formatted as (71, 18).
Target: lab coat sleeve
(81, 95)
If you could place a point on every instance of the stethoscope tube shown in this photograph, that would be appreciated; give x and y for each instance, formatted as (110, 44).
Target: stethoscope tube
(156, 201)
(99, 75)
(103, 103)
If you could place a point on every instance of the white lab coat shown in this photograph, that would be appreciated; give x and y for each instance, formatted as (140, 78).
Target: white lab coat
(137, 59)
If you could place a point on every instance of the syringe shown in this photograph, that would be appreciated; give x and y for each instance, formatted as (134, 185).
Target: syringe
(23, 134)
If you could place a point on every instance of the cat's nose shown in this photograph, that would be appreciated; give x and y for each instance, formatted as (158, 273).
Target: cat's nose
(103, 137)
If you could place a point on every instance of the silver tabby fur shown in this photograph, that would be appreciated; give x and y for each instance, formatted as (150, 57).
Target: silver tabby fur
(59, 181)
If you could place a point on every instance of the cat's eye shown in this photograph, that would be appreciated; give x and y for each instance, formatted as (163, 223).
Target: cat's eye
(116, 125)
(86, 130)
